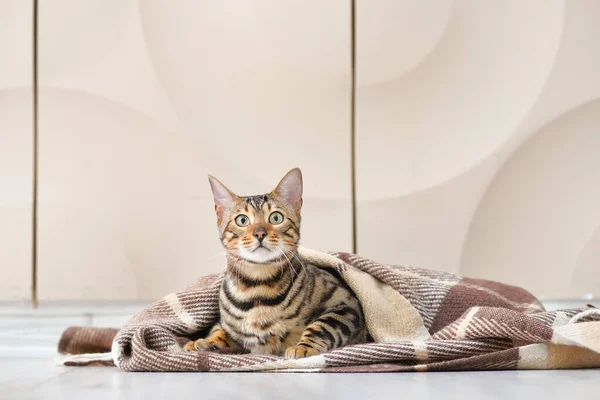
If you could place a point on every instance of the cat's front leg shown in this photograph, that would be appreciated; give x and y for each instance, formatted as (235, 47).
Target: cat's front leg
(216, 339)
(333, 329)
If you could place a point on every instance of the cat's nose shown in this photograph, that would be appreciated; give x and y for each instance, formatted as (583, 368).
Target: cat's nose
(260, 234)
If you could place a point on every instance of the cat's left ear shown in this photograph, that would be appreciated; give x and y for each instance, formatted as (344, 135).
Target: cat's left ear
(224, 198)
(290, 188)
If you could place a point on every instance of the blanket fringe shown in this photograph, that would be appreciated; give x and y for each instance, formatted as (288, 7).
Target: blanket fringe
(89, 359)
(594, 312)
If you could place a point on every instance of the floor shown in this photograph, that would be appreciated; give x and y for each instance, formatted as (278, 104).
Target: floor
(38, 379)
(27, 350)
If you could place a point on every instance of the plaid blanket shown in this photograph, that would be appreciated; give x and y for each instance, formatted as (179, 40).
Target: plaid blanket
(420, 320)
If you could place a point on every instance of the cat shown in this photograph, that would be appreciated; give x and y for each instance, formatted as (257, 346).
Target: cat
(272, 302)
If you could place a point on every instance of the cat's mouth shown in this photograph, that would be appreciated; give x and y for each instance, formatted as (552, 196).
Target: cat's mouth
(261, 246)
(259, 254)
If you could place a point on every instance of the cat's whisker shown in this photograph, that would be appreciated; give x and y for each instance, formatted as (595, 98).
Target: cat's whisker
(279, 259)
(292, 270)
(216, 255)
(294, 255)
(291, 274)
(236, 268)
(298, 258)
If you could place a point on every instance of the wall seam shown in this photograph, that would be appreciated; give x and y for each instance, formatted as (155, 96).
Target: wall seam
(34, 231)
(353, 119)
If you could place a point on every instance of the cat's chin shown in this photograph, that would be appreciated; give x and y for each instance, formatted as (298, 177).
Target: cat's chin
(260, 255)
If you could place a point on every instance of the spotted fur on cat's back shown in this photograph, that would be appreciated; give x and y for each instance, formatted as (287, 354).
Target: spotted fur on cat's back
(271, 301)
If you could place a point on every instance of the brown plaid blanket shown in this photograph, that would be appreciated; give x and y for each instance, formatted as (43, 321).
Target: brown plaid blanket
(420, 320)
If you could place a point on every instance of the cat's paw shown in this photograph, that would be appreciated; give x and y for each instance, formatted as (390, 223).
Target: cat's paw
(300, 351)
(200, 345)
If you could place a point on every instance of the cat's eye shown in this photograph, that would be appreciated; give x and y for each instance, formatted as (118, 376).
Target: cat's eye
(242, 220)
(275, 218)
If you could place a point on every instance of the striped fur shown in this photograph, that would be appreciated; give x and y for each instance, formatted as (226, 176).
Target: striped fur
(271, 302)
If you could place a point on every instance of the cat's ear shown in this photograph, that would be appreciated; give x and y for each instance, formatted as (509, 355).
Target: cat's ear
(224, 198)
(290, 188)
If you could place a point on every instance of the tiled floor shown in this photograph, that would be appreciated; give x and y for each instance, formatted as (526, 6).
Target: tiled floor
(27, 348)
(29, 332)
(37, 379)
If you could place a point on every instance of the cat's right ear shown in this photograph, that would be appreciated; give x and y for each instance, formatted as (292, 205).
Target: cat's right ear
(224, 198)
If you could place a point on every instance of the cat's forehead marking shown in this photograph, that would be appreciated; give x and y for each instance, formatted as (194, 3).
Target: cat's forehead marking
(256, 201)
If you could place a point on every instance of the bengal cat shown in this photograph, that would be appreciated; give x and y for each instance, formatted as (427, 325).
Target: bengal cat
(272, 302)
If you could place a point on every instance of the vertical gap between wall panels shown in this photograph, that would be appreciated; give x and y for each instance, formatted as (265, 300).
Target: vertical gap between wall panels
(34, 247)
(353, 117)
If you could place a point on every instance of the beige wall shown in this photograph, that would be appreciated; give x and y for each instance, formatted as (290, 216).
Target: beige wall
(16, 148)
(147, 99)
(477, 136)
(478, 147)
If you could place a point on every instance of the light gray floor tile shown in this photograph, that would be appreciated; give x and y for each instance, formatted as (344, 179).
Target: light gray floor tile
(38, 379)
(28, 332)
(34, 336)
(19, 377)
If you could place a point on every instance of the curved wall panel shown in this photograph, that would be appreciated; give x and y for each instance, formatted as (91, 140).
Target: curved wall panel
(542, 209)
(440, 132)
(571, 91)
(16, 149)
(461, 102)
(583, 279)
(132, 121)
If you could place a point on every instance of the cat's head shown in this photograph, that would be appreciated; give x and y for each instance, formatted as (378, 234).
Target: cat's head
(260, 228)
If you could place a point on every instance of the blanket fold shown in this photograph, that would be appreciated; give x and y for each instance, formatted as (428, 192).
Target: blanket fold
(420, 320)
